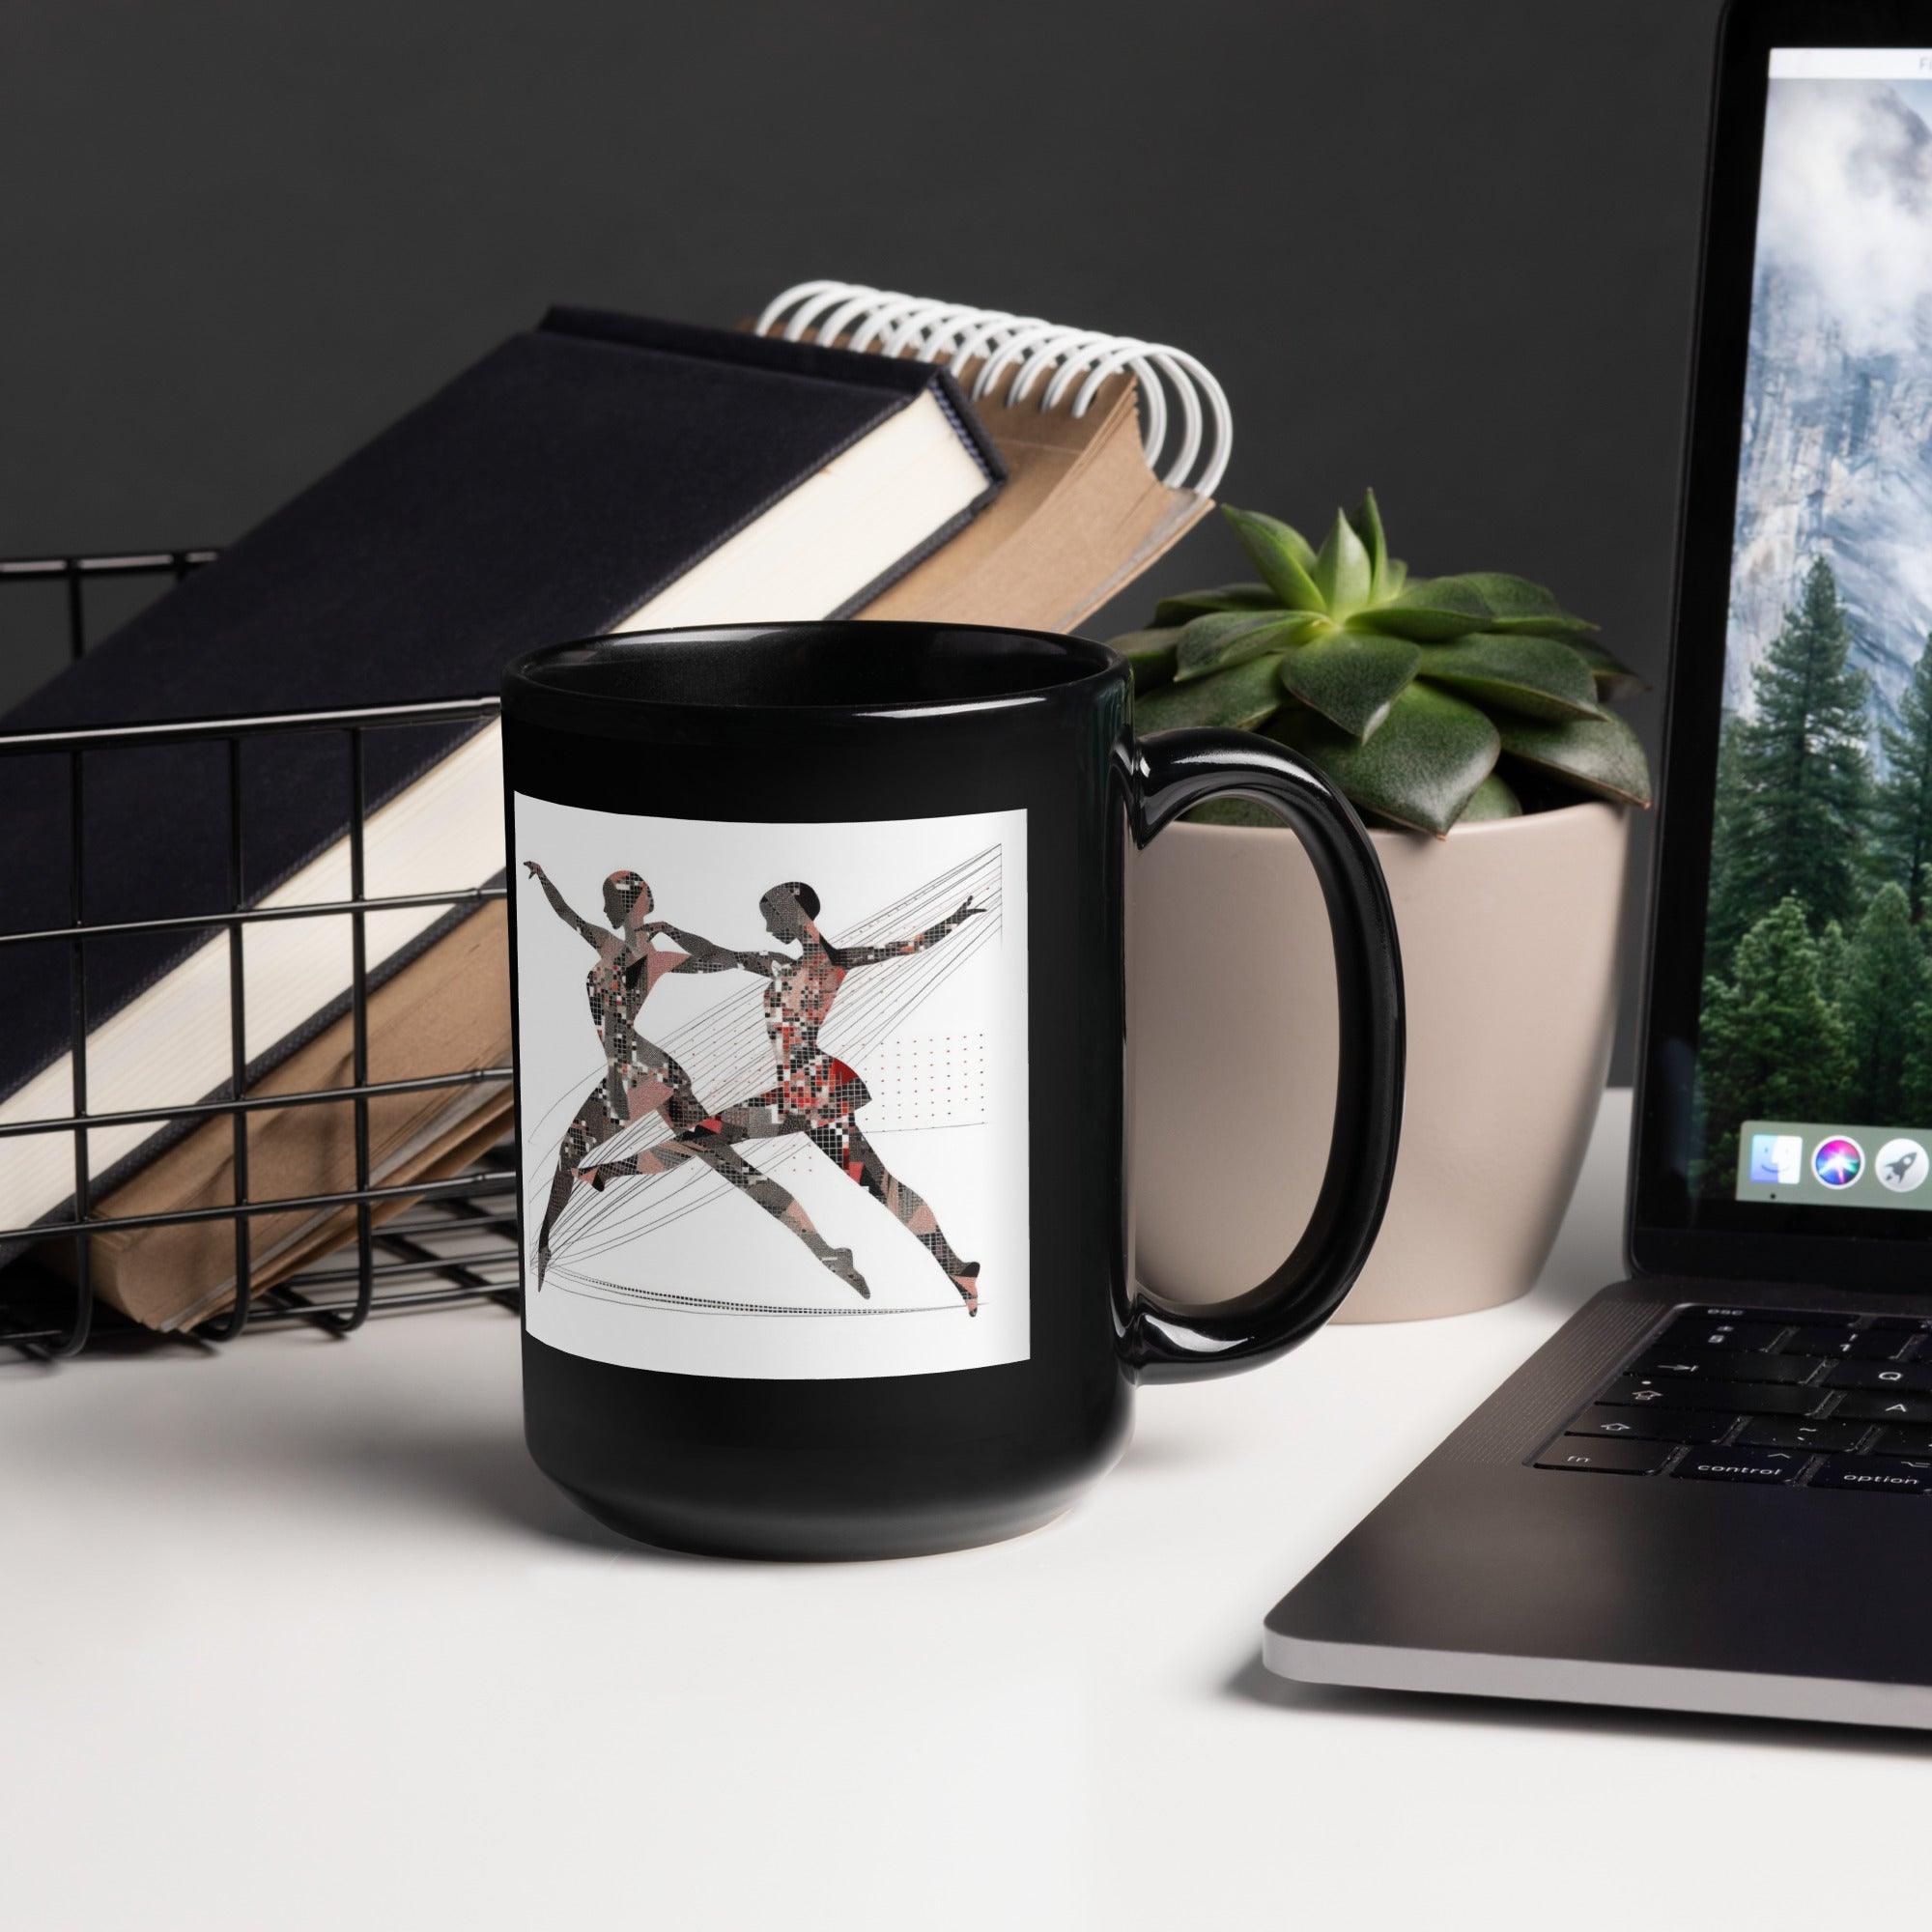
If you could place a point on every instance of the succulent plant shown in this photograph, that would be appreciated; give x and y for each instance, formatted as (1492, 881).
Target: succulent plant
(1429, 703)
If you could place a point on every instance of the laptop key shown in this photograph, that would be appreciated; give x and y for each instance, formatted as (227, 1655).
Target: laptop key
(1700, 1329)
(1880, 1474)
(1880, 1345)
(1903, 1377)
(1875, 1406)
(1612, 1458)
(1850, 1345)
(1794, 1435)
(1898, 1442)
(1740, 1397)
(1653, 1425)
(1743, 1465)
(1728, 1365)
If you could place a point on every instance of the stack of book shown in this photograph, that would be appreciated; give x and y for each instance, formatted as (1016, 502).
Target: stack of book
(853, 453)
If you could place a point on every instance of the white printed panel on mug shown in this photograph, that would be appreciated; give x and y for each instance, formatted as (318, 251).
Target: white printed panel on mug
(772, 1086)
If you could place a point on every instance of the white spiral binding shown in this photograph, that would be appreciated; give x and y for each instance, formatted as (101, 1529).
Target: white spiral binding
(1034, 354)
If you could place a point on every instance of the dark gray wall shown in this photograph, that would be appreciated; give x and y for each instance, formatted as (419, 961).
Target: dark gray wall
(1443, 248)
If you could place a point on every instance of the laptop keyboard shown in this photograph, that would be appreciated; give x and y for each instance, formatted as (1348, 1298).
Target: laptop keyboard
(1823, 1401)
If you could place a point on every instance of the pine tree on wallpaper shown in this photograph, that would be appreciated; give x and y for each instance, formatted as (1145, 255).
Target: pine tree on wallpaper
(1901, 816)
(1773, 1045)
(1885, 983)
(1796, 780)
(1834, 955)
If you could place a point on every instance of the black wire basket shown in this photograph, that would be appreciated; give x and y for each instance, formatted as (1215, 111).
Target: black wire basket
(456, 1244)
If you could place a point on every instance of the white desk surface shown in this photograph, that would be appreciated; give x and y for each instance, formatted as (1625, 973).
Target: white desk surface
(294, 1636)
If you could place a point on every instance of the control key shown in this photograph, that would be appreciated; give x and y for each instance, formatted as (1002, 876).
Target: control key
(1743, 1465)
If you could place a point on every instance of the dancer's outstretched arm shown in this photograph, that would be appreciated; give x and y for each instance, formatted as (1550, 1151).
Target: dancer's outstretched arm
(595, 936)
(704, 955)
(849, 956)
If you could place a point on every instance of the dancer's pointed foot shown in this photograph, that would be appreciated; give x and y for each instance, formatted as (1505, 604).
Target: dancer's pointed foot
(967, 1282)
(840, 1261)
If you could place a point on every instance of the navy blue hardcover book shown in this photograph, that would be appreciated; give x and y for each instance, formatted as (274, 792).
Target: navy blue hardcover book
(598, 470)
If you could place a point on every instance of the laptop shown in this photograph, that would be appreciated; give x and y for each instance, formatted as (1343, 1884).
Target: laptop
(1712, 1490)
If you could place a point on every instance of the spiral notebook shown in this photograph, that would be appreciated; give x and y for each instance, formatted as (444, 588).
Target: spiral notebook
(1113, 449)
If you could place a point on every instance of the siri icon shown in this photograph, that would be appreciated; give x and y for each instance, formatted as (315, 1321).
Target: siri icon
(1838, 1161)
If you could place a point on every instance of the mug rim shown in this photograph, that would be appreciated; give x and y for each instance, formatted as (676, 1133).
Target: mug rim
(543, 678)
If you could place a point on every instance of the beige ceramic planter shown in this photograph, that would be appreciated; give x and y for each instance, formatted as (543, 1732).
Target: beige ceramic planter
(1509, 943)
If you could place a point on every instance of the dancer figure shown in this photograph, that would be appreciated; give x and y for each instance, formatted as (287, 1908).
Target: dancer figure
(816, 1095)
(641, 1078)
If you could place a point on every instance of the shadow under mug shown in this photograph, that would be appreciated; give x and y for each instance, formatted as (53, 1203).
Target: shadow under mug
(818, 955)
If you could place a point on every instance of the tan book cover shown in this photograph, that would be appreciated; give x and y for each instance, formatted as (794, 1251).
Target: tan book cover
(1081, 517)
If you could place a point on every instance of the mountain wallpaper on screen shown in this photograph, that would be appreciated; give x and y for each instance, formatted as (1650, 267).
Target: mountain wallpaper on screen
(1818, 993)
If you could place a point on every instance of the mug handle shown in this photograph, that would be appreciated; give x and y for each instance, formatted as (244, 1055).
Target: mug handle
(1169, 772)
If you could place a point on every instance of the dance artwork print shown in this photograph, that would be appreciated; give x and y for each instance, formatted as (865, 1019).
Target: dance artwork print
(772, 1083)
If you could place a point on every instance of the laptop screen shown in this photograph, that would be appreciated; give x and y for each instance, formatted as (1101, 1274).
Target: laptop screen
(1813, 1073)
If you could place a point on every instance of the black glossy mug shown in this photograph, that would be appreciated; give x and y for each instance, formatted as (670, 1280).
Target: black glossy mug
(821, 1053)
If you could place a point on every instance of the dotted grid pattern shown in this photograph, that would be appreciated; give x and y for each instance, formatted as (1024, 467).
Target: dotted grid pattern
(935, 1080)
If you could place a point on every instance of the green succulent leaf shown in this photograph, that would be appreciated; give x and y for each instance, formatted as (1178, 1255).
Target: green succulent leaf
(1277, 533)
(1351, 677)
(1492, 799)
(1280, 554)
(1542, 677)
(1597, 755)
(1222, 597)
(1407, 693)
(1150, 655)
(1614, 678)
(1240, 699)
(1436, 609)
(1420, 769)
(1343, 573)
(1368, 522)
(1224, 638)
